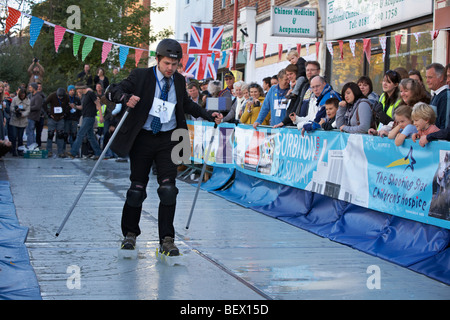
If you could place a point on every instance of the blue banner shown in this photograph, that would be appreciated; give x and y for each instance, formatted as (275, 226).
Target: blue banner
(407, 181)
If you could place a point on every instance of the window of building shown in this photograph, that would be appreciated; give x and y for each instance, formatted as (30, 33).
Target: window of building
(411, 56)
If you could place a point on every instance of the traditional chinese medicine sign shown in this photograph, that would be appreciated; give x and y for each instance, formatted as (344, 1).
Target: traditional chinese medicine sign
(294, 22)
(345, 18)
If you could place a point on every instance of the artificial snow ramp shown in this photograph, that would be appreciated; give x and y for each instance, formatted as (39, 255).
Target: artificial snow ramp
(17, 277)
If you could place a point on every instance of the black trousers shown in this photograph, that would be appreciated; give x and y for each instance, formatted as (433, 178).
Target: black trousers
(147, 149)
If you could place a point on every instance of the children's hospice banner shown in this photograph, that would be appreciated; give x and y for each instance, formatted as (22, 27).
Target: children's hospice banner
(407, 181)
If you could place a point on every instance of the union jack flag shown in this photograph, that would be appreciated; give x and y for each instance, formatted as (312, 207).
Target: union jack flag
(204, 48)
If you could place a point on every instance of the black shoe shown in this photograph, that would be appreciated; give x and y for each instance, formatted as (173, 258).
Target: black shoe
(168, 247)
(129, 243)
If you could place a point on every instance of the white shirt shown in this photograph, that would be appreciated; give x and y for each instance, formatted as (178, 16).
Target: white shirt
(172, 97)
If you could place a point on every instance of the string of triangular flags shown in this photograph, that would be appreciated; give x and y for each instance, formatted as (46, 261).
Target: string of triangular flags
(36, 25)
(226, 56)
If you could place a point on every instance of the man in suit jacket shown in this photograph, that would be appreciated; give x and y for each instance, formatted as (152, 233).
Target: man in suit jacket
(157, 102)
(436, 78)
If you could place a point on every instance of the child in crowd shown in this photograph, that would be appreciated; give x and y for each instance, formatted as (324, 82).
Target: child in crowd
(294, 58)
(331, 107)
(424, 118)
(404, 128)
(328, 123)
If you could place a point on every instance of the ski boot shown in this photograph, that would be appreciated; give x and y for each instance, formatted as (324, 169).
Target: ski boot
(168, 253)
(128, 248)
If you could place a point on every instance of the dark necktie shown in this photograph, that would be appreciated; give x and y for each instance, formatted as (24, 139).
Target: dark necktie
(156, 122)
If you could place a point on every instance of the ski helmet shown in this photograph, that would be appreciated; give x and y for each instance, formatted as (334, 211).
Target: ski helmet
(169, 48)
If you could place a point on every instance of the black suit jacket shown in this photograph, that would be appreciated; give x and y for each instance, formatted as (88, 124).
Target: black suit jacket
(142, 83)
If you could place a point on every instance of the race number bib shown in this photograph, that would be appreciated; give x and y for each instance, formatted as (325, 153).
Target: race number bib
(162, 109)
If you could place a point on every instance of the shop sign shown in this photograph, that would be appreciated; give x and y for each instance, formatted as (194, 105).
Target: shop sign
(294, 22)
(345, 18)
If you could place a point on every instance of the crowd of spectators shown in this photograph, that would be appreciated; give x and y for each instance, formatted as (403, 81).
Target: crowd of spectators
(300, 96)
(80, 116)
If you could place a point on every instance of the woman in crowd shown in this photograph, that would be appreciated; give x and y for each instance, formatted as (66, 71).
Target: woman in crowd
(415, 74)
(20, 108)
(366, 86)
(355, 113)
(412, 92)
(389, 99)
(253, 106)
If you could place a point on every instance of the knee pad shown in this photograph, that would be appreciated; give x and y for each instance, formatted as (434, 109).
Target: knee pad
(136, 194)
(51, 134)
(167, 193)
(60, 135)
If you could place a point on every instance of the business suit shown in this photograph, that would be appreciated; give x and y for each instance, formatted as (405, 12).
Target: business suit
(144, 147)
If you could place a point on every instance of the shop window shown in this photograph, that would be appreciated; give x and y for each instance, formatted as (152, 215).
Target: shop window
(412, 55)
(346, 70)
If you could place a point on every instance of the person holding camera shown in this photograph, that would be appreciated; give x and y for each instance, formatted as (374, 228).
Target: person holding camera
(20, 109)
(253, 106)
(36, 72)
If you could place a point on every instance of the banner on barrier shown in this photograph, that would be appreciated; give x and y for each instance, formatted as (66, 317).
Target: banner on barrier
(407, 181)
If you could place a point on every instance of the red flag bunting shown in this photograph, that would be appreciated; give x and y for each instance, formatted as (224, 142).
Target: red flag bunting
(264, 51)
(367, 48)
(341, 48)
(280, 52)
(317, 49)
(398, 42)
(138, 55)
(13, 17)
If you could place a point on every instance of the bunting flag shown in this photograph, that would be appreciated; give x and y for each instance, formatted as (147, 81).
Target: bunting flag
(251, 51)
(138, 55)
(264, 51)
(223, 56)
(106, 49)
(76, 43)
(434, 34)
(352, 44)
(341, 48)
(13, 17)
(59, 35)
(280, 51)
(416, 35)
(87, 47)
(330, 49)
(35, 29)
(299, 47)
(398, 42)
(367, 48)
(383, 45)
(123, 53)
(307, 49)
(317, 49)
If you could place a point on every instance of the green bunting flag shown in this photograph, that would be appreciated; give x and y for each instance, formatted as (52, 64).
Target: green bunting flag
(87, 47)
(76, 43)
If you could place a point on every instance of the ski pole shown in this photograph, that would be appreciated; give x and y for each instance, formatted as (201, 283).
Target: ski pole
(125, 115)
(201, 176)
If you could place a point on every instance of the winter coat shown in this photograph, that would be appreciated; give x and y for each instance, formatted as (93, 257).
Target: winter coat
(20, 119)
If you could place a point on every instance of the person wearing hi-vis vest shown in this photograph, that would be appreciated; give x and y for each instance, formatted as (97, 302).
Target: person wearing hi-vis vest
(390, 98)
(100, 121)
